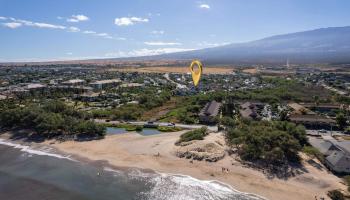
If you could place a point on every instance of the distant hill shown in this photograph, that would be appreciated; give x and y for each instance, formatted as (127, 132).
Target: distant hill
(326, 45)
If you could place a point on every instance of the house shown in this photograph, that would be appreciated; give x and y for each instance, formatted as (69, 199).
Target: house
(131, 85)
(337, 153)
(327, 108)
(99, 85)
(3, 97)
(249, 110)
(339, 161)
(209, 113)
(89, 97)
(73, 89)
(314, 121)
(35, 87)
(73, 82)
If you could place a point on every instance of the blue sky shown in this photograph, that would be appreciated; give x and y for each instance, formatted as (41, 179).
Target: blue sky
(41, 30)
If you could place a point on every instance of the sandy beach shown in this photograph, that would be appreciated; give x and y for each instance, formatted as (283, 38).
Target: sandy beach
(157, 152)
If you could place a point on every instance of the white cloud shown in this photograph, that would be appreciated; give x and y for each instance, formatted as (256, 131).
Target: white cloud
(73, 29)
(127, 21)
(12, 25)
(162, 43)
(89, 32)
(2, 18)
(103, 35)
(20, 22)
(204, 6)
(45, 25)
(69, 53)
(146, 52)
(120, 38)
(78, 18)
(155, 32)
(37, 24)
(209, 44)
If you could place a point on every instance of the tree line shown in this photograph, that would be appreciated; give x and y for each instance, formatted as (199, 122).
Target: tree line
(50, 119)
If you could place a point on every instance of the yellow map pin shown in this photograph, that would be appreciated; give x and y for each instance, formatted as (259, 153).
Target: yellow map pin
(196, 75)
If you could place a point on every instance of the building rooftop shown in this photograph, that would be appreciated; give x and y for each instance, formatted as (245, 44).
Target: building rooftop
(107, 81)
(73, 81)
(131, 85)
(35, 86)
(211, 109)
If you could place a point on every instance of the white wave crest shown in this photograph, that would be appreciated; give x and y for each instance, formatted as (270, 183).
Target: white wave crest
(181, 187)
(42, 152)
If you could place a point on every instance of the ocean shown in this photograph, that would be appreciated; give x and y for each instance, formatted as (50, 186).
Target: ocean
(28, 173)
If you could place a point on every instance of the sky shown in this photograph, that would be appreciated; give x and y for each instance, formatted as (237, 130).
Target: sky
(45, 30)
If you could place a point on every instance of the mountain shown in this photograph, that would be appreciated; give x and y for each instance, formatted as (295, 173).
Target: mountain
(326, 45)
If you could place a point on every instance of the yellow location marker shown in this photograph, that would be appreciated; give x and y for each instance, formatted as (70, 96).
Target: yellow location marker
(196, 74)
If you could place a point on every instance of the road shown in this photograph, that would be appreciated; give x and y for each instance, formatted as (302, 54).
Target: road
(141, 123)
(178, 85)
(323, 132)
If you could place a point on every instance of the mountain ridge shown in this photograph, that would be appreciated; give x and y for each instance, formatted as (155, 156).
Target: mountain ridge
(324, 45)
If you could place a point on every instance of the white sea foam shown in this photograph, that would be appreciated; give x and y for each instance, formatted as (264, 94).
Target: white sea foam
(181, 187)
(42, 152)
(178, 187)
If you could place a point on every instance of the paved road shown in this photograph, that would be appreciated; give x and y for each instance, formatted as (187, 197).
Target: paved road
(323, 132)
(178, 85)
(141, 123)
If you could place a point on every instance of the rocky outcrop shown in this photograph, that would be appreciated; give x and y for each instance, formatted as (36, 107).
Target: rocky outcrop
(201, 150)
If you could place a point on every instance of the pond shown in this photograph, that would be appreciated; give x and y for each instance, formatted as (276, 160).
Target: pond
(145, 131)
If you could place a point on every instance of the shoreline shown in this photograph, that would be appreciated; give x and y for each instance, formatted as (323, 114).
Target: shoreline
(131, 150)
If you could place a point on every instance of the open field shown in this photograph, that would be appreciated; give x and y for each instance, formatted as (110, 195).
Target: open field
(251, 70)
(183, 70)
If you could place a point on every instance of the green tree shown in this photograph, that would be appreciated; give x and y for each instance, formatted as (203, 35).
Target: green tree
(341, 120)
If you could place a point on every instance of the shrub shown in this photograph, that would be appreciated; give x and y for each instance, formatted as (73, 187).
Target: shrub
(347, 181)
(313, 152)
(336, 195)
(197, 134)
(130, 127)
(168, 129)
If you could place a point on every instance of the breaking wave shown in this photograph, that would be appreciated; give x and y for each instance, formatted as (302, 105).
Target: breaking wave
(44, 151)
(181, 187)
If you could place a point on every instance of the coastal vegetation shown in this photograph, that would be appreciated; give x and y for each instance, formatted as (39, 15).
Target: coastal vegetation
(347, 181)
(336, 195)
(127, 127)
(268, 144)
(50, 119)
(313, 153)
(168, 128)
(197, 134)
